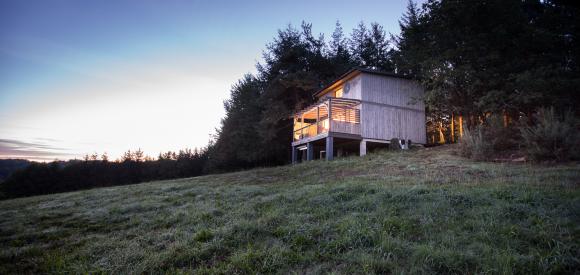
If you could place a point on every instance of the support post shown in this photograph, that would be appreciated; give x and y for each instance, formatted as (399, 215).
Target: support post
(302, 126)
(309, 151)
(294, 155)
(329, 148)
(363, 148)
(318, 120)
(329, 116)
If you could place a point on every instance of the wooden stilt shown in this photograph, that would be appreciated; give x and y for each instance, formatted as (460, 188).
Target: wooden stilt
(363, 147)
(309, 151)
(329, 148)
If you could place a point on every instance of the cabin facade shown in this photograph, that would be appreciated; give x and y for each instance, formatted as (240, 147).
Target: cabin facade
(362, 110)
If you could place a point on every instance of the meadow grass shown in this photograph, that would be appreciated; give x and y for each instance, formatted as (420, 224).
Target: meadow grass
(423, 211)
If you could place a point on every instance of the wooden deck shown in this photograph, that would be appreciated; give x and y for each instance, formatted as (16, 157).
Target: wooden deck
(332, 115)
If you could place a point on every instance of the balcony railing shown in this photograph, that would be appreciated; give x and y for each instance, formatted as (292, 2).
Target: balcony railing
(344, 117)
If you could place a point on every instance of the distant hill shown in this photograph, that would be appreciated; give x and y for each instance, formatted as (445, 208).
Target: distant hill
(425, 211)
(8, 166)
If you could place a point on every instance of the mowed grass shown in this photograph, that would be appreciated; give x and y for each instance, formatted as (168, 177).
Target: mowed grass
(423, 211)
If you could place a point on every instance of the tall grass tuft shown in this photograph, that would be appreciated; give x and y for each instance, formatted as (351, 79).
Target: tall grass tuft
(473, 144)
(488, 139)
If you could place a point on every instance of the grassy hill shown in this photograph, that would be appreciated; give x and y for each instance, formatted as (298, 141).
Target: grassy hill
(424, 211)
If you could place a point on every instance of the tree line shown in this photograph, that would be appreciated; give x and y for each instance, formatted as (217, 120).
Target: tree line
(474, 58)
(98, 171)
(477, 58)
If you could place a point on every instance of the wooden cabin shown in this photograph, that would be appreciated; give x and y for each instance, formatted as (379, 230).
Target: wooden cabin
(362, 110)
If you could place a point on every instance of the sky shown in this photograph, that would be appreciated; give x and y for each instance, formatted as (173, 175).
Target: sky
(83, 77)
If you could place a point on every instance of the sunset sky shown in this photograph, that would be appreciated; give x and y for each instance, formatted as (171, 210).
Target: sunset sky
(79, 77)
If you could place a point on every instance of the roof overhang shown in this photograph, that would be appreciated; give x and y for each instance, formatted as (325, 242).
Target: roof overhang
(351, 74)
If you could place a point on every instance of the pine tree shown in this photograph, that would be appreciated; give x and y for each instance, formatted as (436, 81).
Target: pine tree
(238, 138)
(338, 53)
(377, 48)
(357, 44)
(409, 53)
(370, 47)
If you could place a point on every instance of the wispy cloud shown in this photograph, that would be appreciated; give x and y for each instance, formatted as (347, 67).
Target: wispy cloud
(12, 148)
(18, 144)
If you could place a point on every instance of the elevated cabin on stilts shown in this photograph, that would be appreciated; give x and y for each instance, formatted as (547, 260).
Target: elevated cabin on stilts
(362, 110)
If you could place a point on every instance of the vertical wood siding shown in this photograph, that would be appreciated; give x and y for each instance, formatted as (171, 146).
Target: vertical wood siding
(380, 120)
(354, 92)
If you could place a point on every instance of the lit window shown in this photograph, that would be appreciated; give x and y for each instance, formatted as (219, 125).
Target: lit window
(338, 93)
(325, 124)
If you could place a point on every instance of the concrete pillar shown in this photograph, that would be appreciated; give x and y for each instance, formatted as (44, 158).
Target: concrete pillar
(294, 155)
(309, 151)
(329, 148)
(363, 148)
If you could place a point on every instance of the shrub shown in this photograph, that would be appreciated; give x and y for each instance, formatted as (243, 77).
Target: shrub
(473, 144)
(203, 236)
(488, 139)
(551, 137)
(394, 145)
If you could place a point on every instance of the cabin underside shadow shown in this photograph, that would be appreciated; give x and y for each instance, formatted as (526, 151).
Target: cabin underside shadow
(337, 146)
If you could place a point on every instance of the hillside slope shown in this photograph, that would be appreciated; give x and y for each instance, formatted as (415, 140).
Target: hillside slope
(420, 211)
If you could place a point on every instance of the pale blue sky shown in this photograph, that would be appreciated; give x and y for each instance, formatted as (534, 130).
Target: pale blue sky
(105, 76)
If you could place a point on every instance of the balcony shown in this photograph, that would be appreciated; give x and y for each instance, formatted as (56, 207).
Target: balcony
(331, 115)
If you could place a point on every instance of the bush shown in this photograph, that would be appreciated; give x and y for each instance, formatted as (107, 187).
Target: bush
(473, 144)
(551, 137)
(394, 145)
(488, 139)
